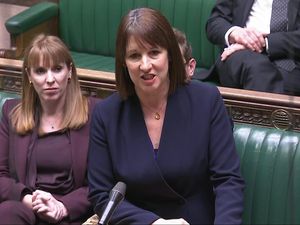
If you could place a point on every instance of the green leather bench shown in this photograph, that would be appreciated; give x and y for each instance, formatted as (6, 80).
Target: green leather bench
(89, 27)
(270, 164)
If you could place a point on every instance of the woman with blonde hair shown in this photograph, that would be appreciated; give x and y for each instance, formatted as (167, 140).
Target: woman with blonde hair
(44, 141)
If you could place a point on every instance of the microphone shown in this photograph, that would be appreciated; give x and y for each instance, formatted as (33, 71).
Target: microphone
(116, 195)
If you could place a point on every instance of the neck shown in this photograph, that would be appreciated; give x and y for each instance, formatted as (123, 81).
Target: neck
(154, 102)
(154, 107)
(52, 108)
(154, 99)
(154, 96)
(51, 116)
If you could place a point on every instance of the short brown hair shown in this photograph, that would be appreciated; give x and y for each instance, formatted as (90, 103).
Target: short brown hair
(53, 52)
(148, 26)
(183, 44)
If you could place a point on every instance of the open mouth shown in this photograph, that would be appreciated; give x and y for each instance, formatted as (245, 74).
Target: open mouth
(148, 76)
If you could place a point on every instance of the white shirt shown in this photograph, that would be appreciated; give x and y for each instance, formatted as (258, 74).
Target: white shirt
(259, 17)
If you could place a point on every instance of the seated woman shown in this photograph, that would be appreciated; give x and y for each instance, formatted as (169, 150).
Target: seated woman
(168, 139)
(44, 141)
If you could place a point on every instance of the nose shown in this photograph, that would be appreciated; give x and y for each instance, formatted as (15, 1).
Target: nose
(50, 77)
(145, 63)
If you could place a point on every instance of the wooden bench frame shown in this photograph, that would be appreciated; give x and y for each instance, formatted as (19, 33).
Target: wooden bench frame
(244, 106)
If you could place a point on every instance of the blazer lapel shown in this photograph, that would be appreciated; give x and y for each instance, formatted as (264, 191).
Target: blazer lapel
(20, 146)
(79, 145)
(242, 12)
(143, 155)
(173, 138)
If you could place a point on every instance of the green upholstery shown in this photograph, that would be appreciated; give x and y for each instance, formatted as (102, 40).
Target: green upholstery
(27, 19)
(270, 164)
(89, 27)
(94, 62)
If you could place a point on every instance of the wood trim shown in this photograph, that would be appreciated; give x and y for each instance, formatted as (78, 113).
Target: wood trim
(263, 109)
(25, 2)
(260, 97)
(244, 106)
(94, 83)
(20, 41)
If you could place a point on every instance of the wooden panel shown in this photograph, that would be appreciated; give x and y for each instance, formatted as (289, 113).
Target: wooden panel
(251, 107)
(25, 2)
(94, 83)
(261, 108)
(21, 41)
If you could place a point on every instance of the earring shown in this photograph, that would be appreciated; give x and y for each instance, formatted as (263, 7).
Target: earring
(30, 83)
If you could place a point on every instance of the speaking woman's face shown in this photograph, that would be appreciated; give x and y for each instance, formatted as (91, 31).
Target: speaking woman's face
(148, 66)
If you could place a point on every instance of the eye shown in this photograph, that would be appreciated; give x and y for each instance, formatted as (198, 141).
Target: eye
(154, 52)
(40, 70)
(57, 68)
(133, 56)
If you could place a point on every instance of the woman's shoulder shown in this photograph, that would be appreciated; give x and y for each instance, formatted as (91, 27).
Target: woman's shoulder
(7, 107)
(9, 104)
(114, 98)
(109, 103)
(202, 86)
(93, 101)
(200, 89)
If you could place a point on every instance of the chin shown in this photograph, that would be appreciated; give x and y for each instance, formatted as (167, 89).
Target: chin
(55, 97)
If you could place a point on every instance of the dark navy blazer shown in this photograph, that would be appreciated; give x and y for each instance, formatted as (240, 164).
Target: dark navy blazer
(196, 175)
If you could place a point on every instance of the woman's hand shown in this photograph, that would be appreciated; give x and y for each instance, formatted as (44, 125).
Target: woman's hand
(47, 207)
(27, 200)
(171, 221)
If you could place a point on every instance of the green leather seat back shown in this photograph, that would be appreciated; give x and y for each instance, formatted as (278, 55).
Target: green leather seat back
(26, 20)
(270, 164)
(94, 62)
(90, 26)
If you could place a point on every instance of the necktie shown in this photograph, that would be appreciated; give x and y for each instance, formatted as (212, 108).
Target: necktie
(279, 22)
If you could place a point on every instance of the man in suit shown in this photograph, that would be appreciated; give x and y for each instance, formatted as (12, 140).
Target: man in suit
(253, 49)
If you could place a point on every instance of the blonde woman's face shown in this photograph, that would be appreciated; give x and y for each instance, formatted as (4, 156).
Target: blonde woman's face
(50, 83)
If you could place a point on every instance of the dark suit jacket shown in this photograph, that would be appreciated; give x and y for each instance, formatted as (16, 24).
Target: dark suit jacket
(228, 13)
(196, 174)
(15, 145)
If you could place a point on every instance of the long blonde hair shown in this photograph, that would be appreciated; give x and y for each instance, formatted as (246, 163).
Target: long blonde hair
(53, 52)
